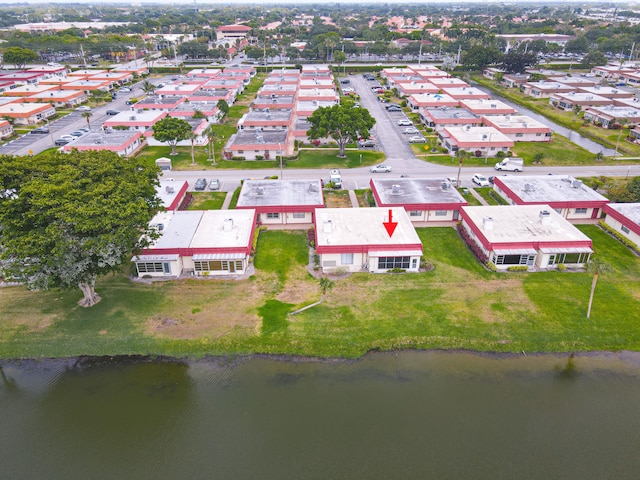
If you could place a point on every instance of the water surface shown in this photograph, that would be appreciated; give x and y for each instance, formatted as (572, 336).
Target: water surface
(406, 415)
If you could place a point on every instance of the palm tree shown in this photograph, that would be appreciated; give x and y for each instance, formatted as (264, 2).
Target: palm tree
(598, 267)
(86, 115)
(622, 122)
(192, 136)
(211, 135)
(148, 88)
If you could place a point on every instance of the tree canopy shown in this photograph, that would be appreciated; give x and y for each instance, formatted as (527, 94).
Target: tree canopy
(67, 218)
(343, 123)
(19, 56)
(171, 130)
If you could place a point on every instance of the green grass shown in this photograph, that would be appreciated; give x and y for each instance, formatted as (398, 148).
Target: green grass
(471, 200)
(485, 193)
(328, 158)
(207, 200)
(456, 305)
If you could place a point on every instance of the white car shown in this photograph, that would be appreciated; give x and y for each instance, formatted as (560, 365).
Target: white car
(83, 108)
(416, 139)
(411, 130)
(124, 90)
(480, 180)
(380, 169)
(405, 122)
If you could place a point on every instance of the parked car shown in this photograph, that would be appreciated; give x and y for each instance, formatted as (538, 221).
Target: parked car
(214, 184)
(416, 139)
(392, 105)
(70, 138)
(112, 112)
(83, 108)
(200, 184)
(84, 129)
(410, 130)
(61, 142)
(124, 90)
(480, 180)
(77, 133)
(405, 122)
(40, 130)
(367, 143)
(380, 169)
(394, 108)
(453, 181)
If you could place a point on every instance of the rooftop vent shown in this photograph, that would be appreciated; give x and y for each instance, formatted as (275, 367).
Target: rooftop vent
(528, 187)
(227, 225)
(576, 183)
(313, 187)
(545, 217)
(445, 185)
(487, 223)
(396, 190)
(327, 226)
(169, 189)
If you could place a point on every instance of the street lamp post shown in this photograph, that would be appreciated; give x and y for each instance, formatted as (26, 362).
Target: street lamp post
(280, 152)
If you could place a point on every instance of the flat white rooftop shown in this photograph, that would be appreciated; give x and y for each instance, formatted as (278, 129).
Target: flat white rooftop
(97, 139)
(416, 191)
(168, 190)
(629, 210)
(522, 224)
(477, 134)
(445, 113)
(515, 121)
(180, 229)
(260, 193)
(549, 188)
(224, 229)
(483, 104)
(363, 226)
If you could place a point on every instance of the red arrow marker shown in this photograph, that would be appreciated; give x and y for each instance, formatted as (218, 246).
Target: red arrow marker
(390, 225)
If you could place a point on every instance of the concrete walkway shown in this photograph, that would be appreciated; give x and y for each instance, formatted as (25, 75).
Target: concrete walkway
(354, 199)
(227, 201)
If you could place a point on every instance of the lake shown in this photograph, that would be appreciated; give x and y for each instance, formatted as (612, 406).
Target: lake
(405, 415)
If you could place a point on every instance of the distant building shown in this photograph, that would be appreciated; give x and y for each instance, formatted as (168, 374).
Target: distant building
(6, 129)
(231, 33)
(172, 193)
(439, 118)
(486, 140)
(519, 128)
(27, 113)
(123, 142)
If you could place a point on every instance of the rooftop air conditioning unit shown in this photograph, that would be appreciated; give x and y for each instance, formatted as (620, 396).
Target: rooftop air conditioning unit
(576, 183)
(396, 190)
(260, 191)
(132, 118)
(169, 189)
(528, 187)
(545, 217)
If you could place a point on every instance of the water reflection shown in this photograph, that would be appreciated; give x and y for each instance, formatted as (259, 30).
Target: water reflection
(390, 415)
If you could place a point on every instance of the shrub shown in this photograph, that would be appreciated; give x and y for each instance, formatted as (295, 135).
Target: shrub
(491, 266)
(478, 153)
(311, 236)
(500, 154)
(518, 268)
(259, 157)
(473, 246)
(621, 238)
(429, 130)
(316, 142)
(562, 267)
(396, 270)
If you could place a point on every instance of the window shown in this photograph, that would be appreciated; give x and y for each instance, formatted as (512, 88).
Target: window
(514, 259)
(440, 213)
(624, 229)
(298, 214)
(581, 210)
(273, 215)
(153, 267)
(388, 263)
(538, 134)
(346, 259)
(415, 213)
(217, 265)
(519, 135)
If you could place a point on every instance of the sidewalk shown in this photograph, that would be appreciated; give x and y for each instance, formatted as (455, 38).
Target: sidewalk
(354, 199)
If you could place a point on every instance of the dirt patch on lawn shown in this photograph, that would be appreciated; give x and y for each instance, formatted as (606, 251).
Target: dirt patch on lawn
(337, 199)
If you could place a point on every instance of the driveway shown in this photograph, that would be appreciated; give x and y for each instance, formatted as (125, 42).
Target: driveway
(386, 131)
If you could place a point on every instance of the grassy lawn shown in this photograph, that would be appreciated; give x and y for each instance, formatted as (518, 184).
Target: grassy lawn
(328, 158)
(207, 200)
(456, 305)
(365, 197)
(485, 193)
(337, 199)
(471, 200)
(569, 120)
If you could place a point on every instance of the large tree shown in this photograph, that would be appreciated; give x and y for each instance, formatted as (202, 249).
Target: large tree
(67, 218)
(518, 62)
(19, 56)
(479, 57)
(171, 130)
(343, 123)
